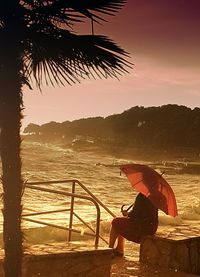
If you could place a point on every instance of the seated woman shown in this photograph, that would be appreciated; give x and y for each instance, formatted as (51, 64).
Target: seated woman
(140, 221)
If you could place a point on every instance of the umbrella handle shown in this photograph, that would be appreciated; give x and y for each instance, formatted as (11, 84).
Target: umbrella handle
(122, 208)
(162, 174)
(130, 207)
(124, 212)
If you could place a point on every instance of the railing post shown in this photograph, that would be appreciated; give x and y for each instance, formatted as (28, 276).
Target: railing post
(97, 225)
(71, 212)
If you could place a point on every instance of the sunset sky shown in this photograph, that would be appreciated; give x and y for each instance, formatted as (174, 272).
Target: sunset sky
(163, 39)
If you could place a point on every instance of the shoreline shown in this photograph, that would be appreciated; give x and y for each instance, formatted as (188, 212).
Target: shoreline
(128, 152)
(164, 162)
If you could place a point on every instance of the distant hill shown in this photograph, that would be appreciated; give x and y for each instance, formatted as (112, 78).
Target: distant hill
(165, 128)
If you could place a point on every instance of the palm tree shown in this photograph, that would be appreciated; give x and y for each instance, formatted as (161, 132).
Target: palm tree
(38, 43)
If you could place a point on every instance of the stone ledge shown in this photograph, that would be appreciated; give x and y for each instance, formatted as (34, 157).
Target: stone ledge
(66, 249)
(65, 260)
(177, 253)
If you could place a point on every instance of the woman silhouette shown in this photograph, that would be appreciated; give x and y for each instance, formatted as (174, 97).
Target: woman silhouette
(140, 221)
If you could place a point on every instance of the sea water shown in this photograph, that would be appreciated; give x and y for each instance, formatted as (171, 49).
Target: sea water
(100, 173)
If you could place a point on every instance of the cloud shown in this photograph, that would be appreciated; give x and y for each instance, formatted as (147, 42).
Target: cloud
(167, 31)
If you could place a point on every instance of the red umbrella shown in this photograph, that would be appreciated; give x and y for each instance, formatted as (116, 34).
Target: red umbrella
(150, 183)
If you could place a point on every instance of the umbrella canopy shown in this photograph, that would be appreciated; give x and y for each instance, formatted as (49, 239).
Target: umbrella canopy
(150, 183)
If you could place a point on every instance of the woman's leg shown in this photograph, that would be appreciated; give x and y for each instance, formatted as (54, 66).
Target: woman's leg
(120, 240)
(120, 244)
(113, 237)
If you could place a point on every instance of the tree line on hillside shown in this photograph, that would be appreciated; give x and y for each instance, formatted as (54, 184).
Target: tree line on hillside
(162, 127)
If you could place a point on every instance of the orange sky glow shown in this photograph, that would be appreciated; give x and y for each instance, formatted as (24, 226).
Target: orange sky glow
(163, 40)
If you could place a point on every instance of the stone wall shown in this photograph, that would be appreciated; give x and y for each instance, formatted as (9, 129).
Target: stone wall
(179, 254)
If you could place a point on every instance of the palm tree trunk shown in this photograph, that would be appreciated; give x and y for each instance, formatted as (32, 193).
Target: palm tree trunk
(10, 118)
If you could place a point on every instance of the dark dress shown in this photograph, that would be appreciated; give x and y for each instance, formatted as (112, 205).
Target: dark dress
(141, 221)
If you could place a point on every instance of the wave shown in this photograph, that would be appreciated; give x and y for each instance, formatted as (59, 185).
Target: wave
(165, 220)
(192, 211)
(47, 234)
(41, 234)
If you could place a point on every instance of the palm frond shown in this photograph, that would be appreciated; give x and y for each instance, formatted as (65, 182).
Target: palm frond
(67, 11)
(69, 57)
(98, 6)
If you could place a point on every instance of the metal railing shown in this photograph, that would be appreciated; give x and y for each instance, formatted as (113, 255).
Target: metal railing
(40, 186)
